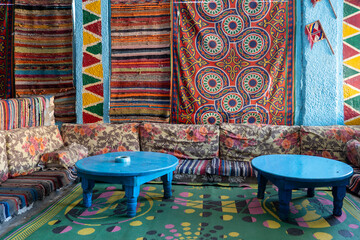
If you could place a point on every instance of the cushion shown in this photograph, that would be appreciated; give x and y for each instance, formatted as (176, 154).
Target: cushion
(64, 157)
(186, 141)
(243, 142)
(4, 170)
(196, 167)
(354, 186)
(230, 168)
(100, 138)
(352, 151)
(327, 141)
(26, 145)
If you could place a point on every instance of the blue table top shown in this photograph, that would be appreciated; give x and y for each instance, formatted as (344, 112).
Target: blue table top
(302, 167)
(141, 163)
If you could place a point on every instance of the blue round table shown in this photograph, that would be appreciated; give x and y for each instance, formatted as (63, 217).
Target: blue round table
(288, 172)
(143, 167)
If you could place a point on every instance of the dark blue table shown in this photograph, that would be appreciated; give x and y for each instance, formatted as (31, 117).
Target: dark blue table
(143, 167)
(288, 172)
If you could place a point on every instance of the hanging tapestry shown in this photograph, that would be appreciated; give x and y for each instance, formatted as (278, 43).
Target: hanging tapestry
(233, 61)
(6, 53)
(43, 49)
(140, 60)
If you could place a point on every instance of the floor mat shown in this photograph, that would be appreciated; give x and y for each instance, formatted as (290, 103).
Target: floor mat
(193, 212)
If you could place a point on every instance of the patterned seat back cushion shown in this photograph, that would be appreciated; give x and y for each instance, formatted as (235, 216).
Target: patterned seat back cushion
(181, 140)
(3, 158)
(352, 151)
(26, 145)
(243, 142)
(65, 156)
(327, 141)
(100, 138)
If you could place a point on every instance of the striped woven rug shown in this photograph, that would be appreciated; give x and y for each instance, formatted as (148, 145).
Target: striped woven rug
(43, 48)
(24, 112)
(140, 61)
(6, 46)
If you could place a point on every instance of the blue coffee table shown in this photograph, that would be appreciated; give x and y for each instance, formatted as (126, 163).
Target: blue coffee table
(288, 172)
(143, 167)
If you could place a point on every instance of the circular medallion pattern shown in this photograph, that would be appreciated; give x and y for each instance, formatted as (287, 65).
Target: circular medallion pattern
(212, 83)
(253, 114)
(212, 7)
(232, 25)
(207, 114)
(232, 103)
(253, 81)
(211, 118)
(251, 117)
(212, 44)
(252, 7)
(255, 9)
(253, 44)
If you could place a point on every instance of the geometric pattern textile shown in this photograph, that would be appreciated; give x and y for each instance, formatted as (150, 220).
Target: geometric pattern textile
(351, 63)
(6, 48)
(193, 212)
(233, 61)
(140, 61)
(92, 67)
(43, 49)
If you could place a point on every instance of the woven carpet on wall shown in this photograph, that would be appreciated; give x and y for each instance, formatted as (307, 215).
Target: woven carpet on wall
(93, 79)
(6, 53)
(140, 60)
(43, 52)
(351, 53)
(233, 61)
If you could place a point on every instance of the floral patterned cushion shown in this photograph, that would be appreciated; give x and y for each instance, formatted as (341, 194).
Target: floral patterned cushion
(352, 151)
(65, 156)
(181, 140)
(243, 142)
(327, 141)
(102, 138)
(4, 170)
(26, 145)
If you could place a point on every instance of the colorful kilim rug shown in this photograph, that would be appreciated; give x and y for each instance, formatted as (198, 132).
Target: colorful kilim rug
(140, 61)
(233, 61)
(43, 48)
(6, 53)
(193, 212)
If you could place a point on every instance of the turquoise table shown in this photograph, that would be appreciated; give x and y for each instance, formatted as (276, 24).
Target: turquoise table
(143, 167)
(288, 172)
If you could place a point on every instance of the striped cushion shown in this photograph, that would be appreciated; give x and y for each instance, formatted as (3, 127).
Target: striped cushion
(354, 186)
(189, 166)
(17, 194)
(230, 168)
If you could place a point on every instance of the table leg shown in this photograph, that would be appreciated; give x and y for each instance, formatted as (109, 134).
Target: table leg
(311, 192)
(261, 186)
(87, 186)
(167, 184)
(338, 195)
(284, 200)
(131, 193)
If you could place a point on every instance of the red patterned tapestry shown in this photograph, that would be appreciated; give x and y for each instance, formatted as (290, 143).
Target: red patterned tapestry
(233, 61)
(6, 46)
